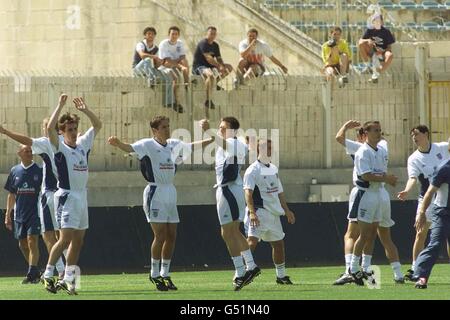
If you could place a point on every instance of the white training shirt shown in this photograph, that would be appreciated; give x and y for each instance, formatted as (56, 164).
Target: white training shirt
(257, 54)
(424, 165)
(171, 51)
(72, 163)
(266, 186)
(159, 162)
(352, 146)
(229, 162)
(43, 147)
(369, 160)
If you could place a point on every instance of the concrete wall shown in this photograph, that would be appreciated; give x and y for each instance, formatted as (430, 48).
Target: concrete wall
(44, 34)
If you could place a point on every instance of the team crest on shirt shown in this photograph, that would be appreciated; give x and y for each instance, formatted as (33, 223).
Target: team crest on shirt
(439, 156)
(155, 212)
(36, 177)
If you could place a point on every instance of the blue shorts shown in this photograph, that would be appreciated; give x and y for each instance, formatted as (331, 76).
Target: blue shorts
(24, 229)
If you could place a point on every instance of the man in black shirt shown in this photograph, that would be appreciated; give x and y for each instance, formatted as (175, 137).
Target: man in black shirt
(208, 63)
(376, 45)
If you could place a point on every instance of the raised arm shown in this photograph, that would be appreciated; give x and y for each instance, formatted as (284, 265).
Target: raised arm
(115, 142)
(17, 137)
(214, 136)
(95, 121)
(52, 133)
(340, 135)
(10, 201)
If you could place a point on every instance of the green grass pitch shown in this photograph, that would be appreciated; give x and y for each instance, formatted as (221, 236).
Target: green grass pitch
(310, 283)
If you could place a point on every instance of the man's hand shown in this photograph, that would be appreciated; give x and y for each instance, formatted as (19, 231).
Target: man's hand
(420, 221)
(114, 141)
(351, 124)
(402, 195)
(2, 130)
(254, 221)
(80, 105)
(253, 43)
(391, 179)
(8, 222)
(290, 216)
(204, 124)
(62, 99)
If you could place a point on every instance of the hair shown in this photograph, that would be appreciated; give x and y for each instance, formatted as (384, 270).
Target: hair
(369, 124)
(174, 28)
(336, 28)
(156, 121)
(67, 118)
(232, 121)
(211, 28)
(252, 30)
(422, 129)
(149, 29)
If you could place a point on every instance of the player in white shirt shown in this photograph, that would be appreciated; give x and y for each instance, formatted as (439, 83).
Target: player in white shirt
(159, 157)
(422, 166)
(173, 55)
(371, 202)
(42, 147)
(352, 233)
(71, 160)
(252, 52)
(266, 201)
(230, 156)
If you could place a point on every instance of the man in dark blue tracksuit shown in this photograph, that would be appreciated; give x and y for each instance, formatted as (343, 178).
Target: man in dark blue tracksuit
(440, 229)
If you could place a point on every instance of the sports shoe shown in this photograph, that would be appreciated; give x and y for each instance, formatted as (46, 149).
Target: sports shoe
(340, 81)
(345, 79)
(359, 277)
(169, 284)
(159, 283)
(399, 280)
(250, 275)
(409, 276)
(374, 78)
(343, 279)
(239, 282)
(421, 283)
(28, 280)
(284, 280)
(49, 285)
(370, 277)
(210, 104)
(69, 289)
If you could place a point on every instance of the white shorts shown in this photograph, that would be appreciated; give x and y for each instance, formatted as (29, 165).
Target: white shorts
(47, 212)
(160, 203)
(269, 228)
(429, 211)
(372, 205)
(230, 203)
(72, 209)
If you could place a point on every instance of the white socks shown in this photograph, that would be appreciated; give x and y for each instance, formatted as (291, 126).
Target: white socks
(396, 267)
(165, 265)
(239, 266)
(354, 264)
(60, 266)
(348, 260)
(154, 271)
(280, 269)
(366, 262)
(248, 258)
(49, 270)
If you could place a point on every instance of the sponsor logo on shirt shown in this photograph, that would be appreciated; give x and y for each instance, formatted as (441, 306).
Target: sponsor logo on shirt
(25, 189)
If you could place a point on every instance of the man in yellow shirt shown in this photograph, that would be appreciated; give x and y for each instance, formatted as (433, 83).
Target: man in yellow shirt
(336, 56)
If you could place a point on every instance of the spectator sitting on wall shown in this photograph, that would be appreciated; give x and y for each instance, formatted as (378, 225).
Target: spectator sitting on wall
(376, 45)
(146, 60)
(336, 56)
(252, 51)
(208, 63)
(173, 55)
